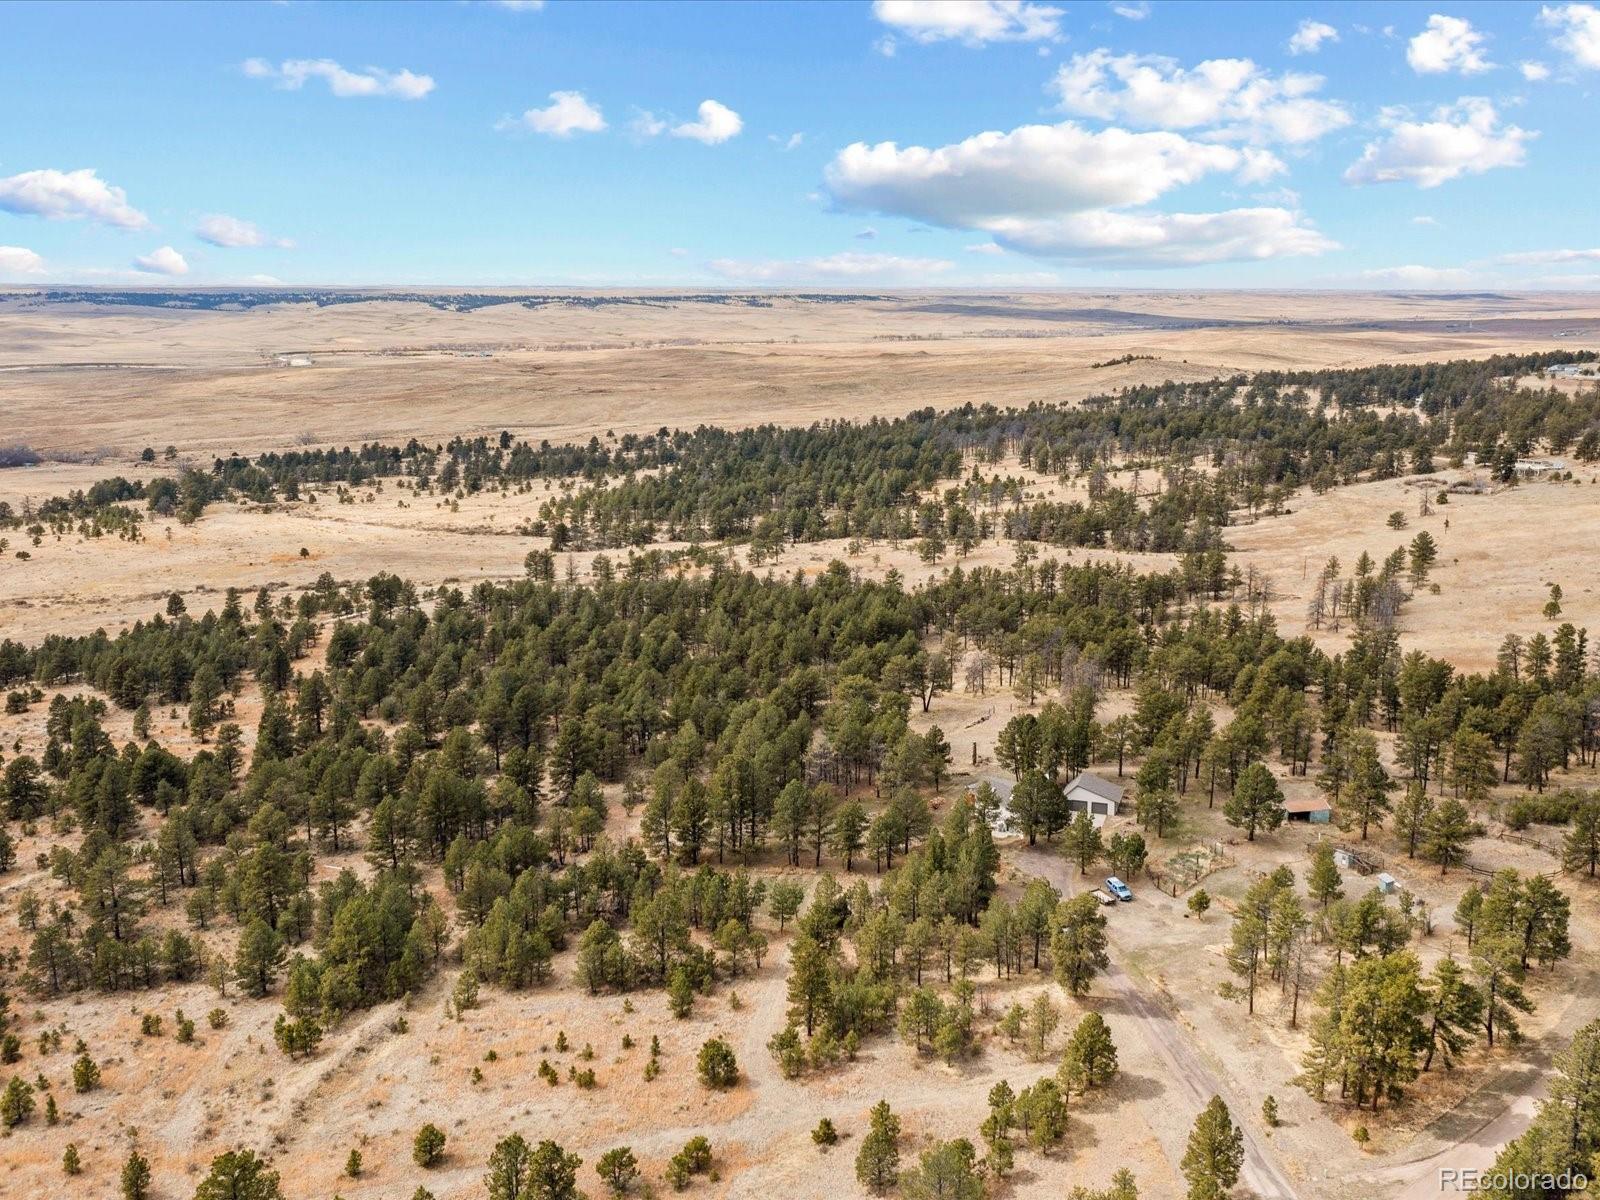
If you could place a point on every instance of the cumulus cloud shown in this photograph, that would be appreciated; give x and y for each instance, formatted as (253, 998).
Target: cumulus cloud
(989, 248)
(1413, 275)
(1152, 239)
(218, 229)
(717, 123)
(68, 196)
(1534, 72)
(792, 142)
(567, 113)
(165, 261)
(1131, 10)
(1447, 44)
(1233, 98)
(1550, 256)
(1034, 170)
(1309, 36)
(16, 261)
(974, 22)
(846, 267)
(1577, 32)
(1464, 138)
(294, 73)
(1053, 190)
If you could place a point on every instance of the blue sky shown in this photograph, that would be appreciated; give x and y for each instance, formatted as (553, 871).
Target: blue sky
(897, 143)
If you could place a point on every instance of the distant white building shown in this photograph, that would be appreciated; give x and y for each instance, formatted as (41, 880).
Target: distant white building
(1098, 797)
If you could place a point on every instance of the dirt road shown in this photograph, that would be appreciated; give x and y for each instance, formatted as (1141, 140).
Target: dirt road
(1472, 1134)
(1187, 1069)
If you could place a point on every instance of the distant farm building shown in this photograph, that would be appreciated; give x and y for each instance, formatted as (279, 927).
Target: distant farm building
(1308, 808)
(1098, 797)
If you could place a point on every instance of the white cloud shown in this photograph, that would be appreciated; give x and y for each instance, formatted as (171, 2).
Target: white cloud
(975, 22)
(294, 73)
(566, 114)
(1233, 98)
(1577, 33)
(1464, 138)
(1034, 170)
(1534, 72)
(717, 124)
(15, 261)
(1413, 275)
(520, 5)
(678, 252)
(646, 124)
(218, 229)
(1551, 256)
(847, 267)
(985, 248)
(1309, 36)
(1260, 166)
(792, 142)
(1149, 239)
(165, 261)
(1051, 190)
(1131, 10)
(1447, 44)
(1425, 220)
(69, 195)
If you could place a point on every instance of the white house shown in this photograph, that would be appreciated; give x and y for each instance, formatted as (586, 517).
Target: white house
(1098, 797)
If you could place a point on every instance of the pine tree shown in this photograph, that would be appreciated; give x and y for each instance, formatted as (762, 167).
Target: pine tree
(1215, 1153)
(878, 1161)
(1455, 1009)
(1078, 946)
(1324, 882)
(1413, 815)
(1082, 843)
(510, 1170)
(1090, 1060)
(427, 1148)
(239, 1175)
(948, 1171)
(1367, 784)
(16, 1102)
(260, 956)
(552, 1173)
(618, 1170)
(1581, 849)
(1446, 833)
(136, 1177)
(1256, 802)
(1497, 961)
